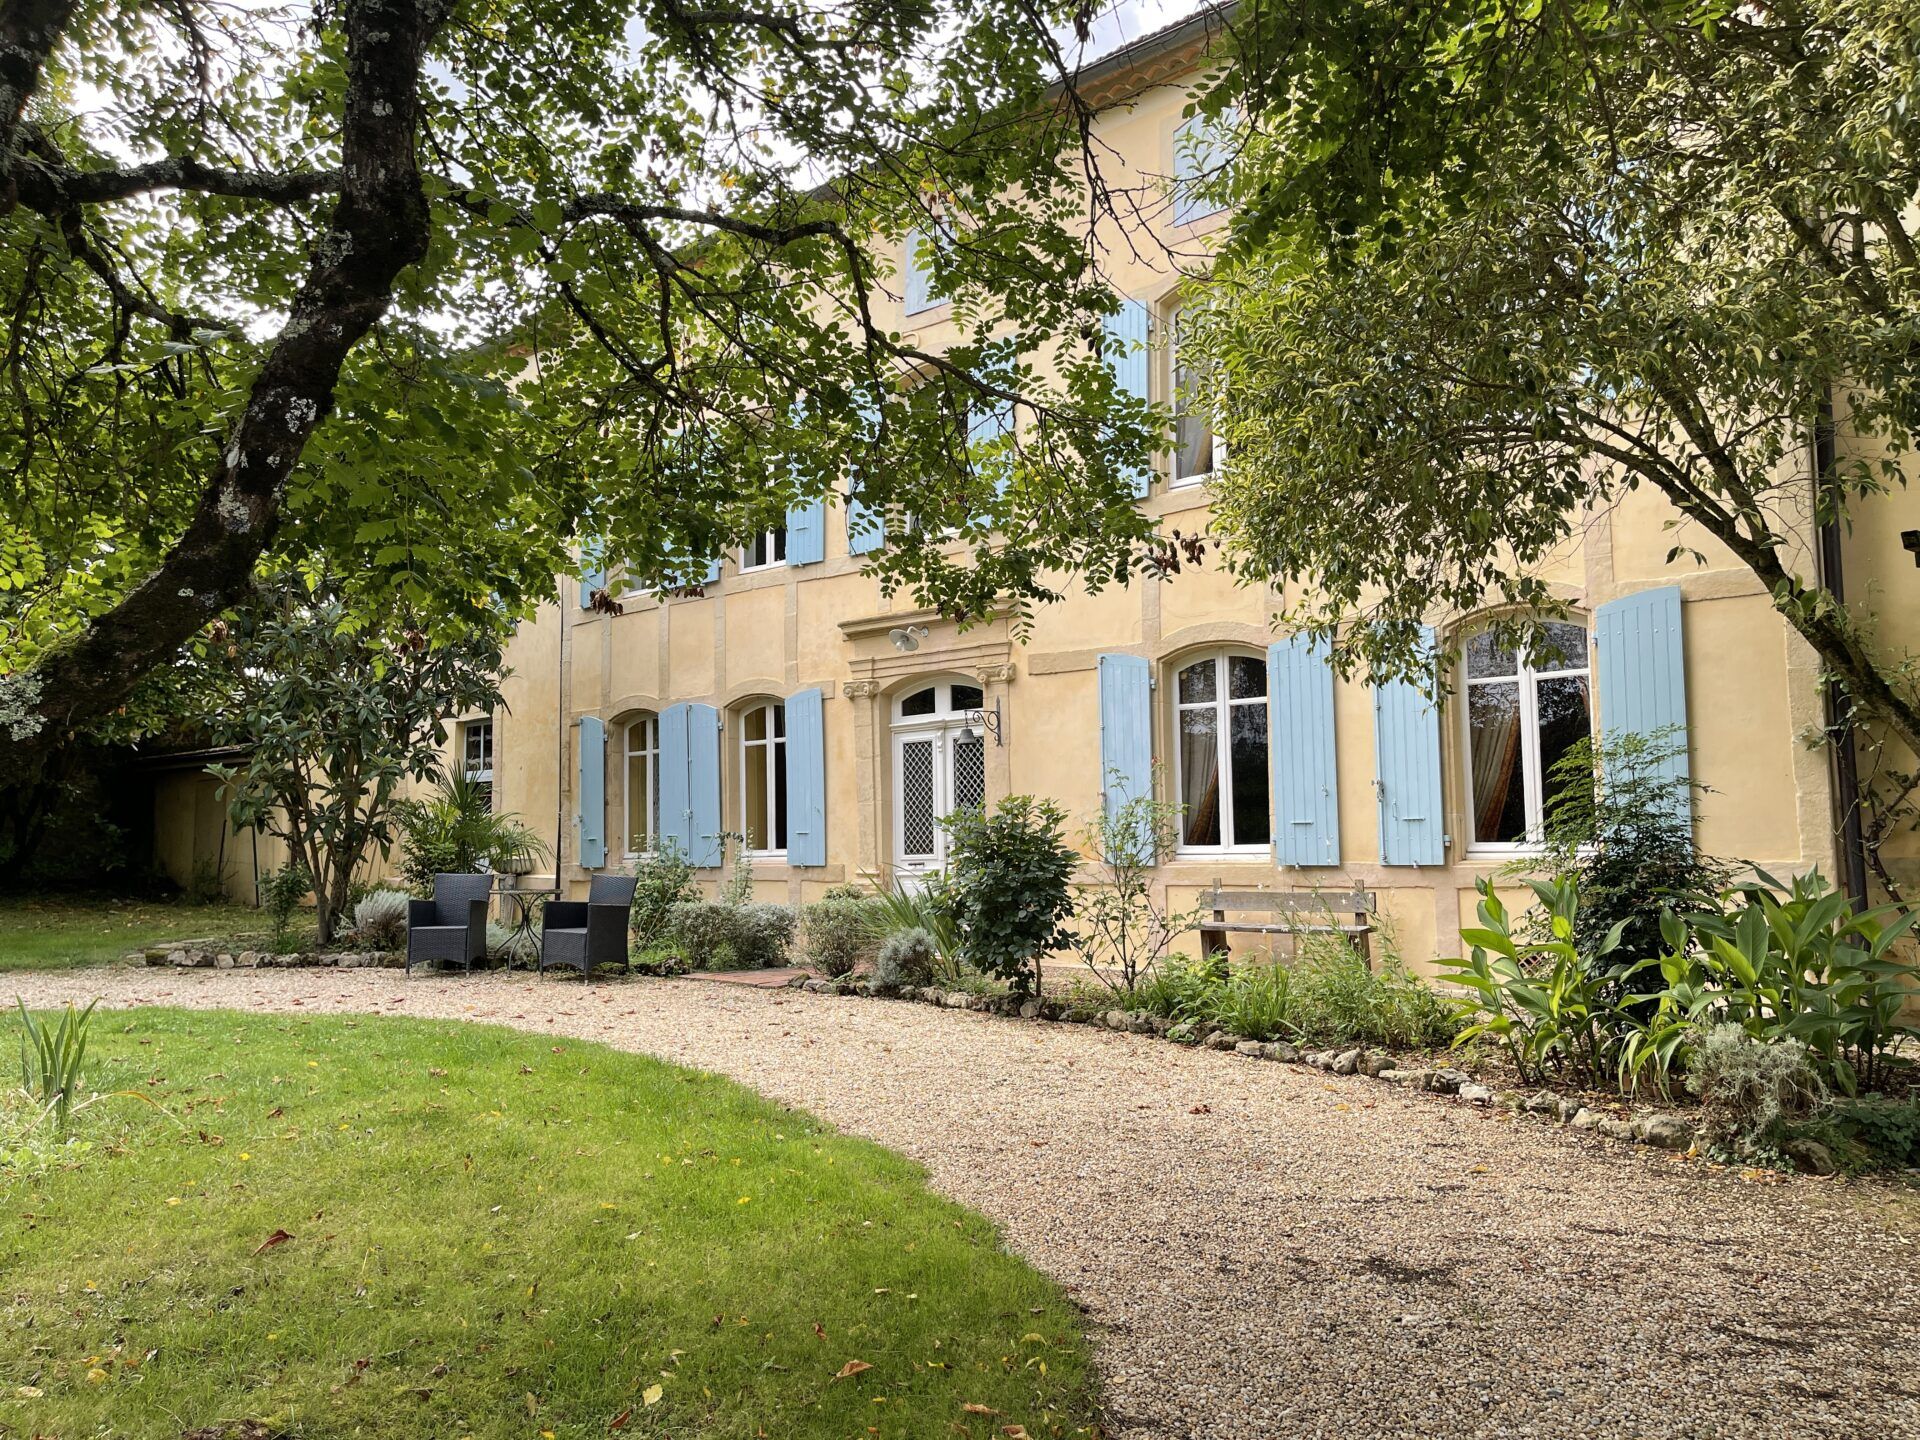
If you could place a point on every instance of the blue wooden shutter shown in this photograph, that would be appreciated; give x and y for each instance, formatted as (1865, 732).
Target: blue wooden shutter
(1126, 734)
(703, 785)
(1641, 657)
(1406, 749)
(806, 779)
(1127, 354)
(592, 792)
(593, 574)
(987, 423)
(918, 291)
(1199, 149)
(1306, 780)
(676, 810)
(866, 524)
(807, 533)
(712, 575)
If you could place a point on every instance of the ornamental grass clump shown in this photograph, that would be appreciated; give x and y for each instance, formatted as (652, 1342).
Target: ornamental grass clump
(1256, 1002)
(1340, 999)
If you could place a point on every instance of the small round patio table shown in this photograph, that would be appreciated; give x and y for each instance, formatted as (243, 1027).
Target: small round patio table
(517, 909)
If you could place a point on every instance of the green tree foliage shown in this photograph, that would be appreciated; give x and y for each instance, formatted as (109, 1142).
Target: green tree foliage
(337, 711)
(438, 293)
(1496, 263)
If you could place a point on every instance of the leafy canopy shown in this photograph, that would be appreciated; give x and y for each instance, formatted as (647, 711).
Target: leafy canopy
(1496, 264)
(434, 295)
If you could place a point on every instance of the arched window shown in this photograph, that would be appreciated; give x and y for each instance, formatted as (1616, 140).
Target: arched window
(1524, 711)
(939, 766)
(643, 784)
(1220, 739)
(763, 777)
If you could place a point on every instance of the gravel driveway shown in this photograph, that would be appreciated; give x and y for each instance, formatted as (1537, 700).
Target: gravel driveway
(1268, 1251)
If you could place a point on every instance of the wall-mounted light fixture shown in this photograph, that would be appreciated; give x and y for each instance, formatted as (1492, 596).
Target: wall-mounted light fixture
(1911, 539)
(983, 723)
(906, 638)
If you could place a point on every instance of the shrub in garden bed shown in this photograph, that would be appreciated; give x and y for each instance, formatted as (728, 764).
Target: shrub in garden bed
(714, 935)
(839, 932)
(1339, 999)
(662, 880)
(1328, 995)
(701, 931)
(1752, 1091)
(1008, 887)
(907, 958)
(763, 934)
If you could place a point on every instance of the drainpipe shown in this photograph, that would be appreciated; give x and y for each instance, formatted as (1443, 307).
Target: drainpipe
(561, 728)
(1840, 742)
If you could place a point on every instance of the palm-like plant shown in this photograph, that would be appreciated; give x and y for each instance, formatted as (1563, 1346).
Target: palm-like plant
(456, 830)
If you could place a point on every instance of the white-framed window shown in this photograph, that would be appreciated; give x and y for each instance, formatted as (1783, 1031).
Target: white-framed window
(643, 784)
(1524, 710)
(769, 548)
(939, 766)
(1197, 451)
(476, 755)
(1221, 776)
(763, 777)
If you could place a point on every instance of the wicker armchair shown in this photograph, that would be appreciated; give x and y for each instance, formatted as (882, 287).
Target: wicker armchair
(583, 934)
(452, 926)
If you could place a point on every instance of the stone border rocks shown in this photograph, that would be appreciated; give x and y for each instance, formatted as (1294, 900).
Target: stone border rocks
(1659, 1130)
(200, 955)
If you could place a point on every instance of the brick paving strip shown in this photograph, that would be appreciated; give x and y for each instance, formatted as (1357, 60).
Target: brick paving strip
(1266, 1251)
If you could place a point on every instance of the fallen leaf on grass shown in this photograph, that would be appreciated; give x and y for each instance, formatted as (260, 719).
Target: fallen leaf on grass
(973, 1409)
(852, 1368)
(651, 1395)
(1014, 1432)
(619, 1422)
(819, 1330)
(279, 1237)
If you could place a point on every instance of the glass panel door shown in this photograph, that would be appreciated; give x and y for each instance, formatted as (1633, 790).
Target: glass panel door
(916, 803)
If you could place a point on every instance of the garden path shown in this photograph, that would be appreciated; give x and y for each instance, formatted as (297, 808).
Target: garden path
(1267, 1251)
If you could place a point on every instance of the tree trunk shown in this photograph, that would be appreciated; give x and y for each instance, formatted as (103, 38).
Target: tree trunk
(28, 31)
(378, 228)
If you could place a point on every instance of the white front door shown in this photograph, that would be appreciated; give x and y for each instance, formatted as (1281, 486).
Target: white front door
(937, 769)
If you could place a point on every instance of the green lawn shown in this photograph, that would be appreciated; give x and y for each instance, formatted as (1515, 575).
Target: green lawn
(53, 934)
(494, 1235)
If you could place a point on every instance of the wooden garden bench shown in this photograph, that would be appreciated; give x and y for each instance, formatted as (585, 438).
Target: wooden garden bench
(1288, 912)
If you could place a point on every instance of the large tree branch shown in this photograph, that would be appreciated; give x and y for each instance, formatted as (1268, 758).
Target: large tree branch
(379, 226)
(182, 172)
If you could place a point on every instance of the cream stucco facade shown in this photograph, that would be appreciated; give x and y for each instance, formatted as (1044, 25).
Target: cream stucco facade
(767, 633)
